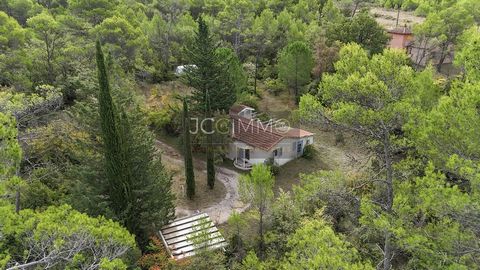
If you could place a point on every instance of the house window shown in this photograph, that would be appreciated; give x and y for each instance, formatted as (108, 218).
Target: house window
(277, 152)
(299, 147)
(308, 141)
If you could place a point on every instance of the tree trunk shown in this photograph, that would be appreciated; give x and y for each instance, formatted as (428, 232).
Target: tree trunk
(255, 76)
(387, 264)
(17, 201)
(443, 55)
(296, 80)
(261, 244)
(49, 48)
(355, 8)
(398, 16)
(17, 171)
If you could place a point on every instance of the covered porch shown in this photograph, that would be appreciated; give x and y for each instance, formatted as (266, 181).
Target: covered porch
(242, 157)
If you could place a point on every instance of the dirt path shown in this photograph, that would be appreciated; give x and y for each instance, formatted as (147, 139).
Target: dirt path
(220, 211)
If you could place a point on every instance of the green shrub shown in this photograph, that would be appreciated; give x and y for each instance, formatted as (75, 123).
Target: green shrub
(166, 119)
(248, 100)
(309, 152)
(274, 86)
(274, 169)
(339, 138)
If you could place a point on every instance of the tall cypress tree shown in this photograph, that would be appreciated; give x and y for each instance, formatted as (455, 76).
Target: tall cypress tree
(187, 155)
(209, 146)
(111, 138)
(150, 202)
(138, 188)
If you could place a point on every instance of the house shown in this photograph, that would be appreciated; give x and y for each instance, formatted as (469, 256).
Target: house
(184, 236)
(400, 37)
(254, 141)
(421, 51)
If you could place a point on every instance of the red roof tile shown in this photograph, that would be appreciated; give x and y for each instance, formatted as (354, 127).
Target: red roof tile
(296, 133)
(255, 133)
(258, 134)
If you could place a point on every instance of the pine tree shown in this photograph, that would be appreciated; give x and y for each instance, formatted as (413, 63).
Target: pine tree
(295, 64)
(187, 155)
(213, 87)
(209, 146)
(208, 73)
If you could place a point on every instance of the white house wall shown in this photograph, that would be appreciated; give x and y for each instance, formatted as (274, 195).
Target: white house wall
(258, 155)
(288, 152)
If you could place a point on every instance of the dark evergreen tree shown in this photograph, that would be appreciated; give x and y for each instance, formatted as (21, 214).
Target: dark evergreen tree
(137, 188)
(111, 139)
(209, 144)
(150, 201)
(361, 29)
(187, 152)
(209, 73)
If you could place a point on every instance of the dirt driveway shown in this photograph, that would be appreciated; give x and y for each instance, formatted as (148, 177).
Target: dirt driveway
(220, 210)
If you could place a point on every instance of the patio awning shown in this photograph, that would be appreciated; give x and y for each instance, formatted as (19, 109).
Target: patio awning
(184, 236)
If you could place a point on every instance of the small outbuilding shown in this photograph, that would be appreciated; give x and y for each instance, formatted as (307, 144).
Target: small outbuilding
(180, 70)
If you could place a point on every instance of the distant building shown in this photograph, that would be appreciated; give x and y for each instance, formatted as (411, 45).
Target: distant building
(400, 37)
(180, 70)
(256, 141)
(421, 52)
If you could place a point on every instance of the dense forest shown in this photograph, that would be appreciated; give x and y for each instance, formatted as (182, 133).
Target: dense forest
(90, 91)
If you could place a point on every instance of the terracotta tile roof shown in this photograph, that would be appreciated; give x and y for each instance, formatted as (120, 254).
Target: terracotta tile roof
(254, 133)
(296, 133)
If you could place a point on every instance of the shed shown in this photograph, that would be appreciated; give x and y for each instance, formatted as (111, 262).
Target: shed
(184, 236)
(180, 70)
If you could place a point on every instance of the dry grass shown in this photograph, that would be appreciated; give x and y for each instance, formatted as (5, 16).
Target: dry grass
(388, 17)
(279, 106)
(348, 157)
(164, 88)
(204, 197)
(173, 162)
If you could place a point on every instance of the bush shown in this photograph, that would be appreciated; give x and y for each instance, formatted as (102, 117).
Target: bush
(339, 138)
(309, 152)
(164, 113)
(248, 100)
(268, 71)
(162, 120)
(274, 86)
(274, 168)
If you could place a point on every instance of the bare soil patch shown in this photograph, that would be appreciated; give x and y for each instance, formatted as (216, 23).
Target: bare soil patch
(204, 197)
(388, 17)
